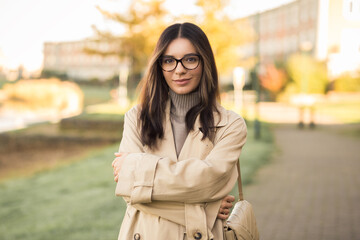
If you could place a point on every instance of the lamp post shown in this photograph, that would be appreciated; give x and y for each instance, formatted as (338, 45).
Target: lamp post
(256, 79)
(122, 89)
(239, 82)
(257, 125)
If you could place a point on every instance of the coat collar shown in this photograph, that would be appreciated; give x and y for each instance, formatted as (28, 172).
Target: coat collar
(220, 118)
(167, 147)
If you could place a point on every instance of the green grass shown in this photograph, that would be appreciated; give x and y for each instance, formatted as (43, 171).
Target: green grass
(77, 201)
(95, 94)
(2, 82)
(72, 202)
(100, 117)
(255, 154)
(346, 112)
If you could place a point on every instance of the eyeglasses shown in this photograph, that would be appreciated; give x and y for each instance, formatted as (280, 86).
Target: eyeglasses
(189, 62)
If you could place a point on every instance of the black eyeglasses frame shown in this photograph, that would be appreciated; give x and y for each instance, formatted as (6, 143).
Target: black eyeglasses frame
(180, 60)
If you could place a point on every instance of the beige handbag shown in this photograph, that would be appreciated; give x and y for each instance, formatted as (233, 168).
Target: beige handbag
(241, 224)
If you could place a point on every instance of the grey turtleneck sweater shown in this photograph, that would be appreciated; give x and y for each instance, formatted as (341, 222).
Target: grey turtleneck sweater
(180, 105)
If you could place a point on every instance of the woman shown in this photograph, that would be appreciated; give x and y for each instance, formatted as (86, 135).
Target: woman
(177, 159)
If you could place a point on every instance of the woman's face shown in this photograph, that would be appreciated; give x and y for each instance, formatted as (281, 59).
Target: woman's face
(182, 80)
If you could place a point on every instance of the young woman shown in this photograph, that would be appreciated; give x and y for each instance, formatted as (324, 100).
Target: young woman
(177, 159)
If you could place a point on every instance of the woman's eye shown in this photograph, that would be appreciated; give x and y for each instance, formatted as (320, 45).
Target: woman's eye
(168, 60)
(191, 59)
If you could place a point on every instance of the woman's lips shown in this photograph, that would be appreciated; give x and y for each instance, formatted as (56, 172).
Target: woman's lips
(182, 81)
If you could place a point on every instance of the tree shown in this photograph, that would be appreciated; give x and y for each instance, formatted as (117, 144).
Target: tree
(146, 19)
(225, 34)
(347, 83)
(144, 22)
(308, 75)
(274, 80)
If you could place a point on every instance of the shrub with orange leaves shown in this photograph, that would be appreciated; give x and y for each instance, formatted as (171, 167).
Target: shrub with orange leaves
(273, 80)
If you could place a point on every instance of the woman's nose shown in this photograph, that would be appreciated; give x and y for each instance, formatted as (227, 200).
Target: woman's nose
(180, 69)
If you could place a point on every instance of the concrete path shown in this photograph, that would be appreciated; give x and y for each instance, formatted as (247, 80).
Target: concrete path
(311, 188)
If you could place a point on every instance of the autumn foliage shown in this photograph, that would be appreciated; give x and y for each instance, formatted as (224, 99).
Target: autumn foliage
(273, 79)
(63, 97)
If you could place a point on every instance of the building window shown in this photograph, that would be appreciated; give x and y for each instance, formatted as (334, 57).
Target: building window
(313, 10)
(304, 11)
(351, 9)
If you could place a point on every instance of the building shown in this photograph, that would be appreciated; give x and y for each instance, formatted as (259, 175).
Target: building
(72, 59)
(327, 29)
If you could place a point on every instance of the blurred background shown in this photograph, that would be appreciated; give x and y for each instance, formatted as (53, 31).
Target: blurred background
(69, 70)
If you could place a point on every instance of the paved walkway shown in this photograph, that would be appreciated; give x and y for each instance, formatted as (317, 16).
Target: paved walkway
(311, 189)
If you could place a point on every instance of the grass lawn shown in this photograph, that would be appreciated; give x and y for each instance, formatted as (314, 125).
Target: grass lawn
(95, 94)
(77, 201)
(71, 202)
(346, 112)
(255, 154)
(2, 82)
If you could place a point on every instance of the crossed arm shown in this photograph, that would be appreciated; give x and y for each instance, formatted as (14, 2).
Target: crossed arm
(171, 180)
(226, 203)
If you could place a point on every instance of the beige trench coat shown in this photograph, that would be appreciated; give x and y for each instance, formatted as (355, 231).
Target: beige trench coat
(170, 197)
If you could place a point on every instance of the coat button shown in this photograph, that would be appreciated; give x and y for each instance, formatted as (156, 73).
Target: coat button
(136, 236)
(197, 235)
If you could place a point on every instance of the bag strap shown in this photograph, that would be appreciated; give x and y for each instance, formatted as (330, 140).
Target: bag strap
(241, 196)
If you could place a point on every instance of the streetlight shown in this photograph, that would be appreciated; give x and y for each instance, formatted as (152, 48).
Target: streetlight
(239, 82)
(122, 90)
(256, 79)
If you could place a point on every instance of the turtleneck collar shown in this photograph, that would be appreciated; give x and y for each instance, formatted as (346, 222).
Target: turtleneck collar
(182, 103)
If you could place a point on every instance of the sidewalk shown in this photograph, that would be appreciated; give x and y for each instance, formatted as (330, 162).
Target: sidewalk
(311, 189)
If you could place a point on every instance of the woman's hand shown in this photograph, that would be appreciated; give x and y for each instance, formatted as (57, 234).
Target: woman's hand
(116, 164)
(226, 205)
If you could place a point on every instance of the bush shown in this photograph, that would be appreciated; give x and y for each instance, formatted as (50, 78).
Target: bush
(347, 83)
(47, 73)
(64, 97)
(308, 75)
(95, 122)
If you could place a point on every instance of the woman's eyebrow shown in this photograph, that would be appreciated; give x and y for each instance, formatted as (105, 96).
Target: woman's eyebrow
(188, 54)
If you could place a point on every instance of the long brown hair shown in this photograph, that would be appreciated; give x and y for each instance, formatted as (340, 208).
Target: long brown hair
(154, 92)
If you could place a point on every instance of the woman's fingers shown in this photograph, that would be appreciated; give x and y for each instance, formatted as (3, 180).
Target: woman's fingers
(117, 155)
(222, 216)
(230, 198)
(116, 172)
(116, 178)
(117, 168)
(225, 211)
(225, 204)
(116, 164)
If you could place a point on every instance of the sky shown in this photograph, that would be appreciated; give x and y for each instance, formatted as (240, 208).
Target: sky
(26, 24)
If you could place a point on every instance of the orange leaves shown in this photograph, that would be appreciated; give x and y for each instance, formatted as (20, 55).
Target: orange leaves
(273, 79)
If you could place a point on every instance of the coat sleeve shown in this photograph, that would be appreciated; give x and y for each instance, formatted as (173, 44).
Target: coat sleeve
(194, 180)
(136, 176)
(145, 177)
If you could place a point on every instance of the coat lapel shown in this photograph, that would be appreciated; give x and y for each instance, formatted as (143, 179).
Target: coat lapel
(194, 146)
